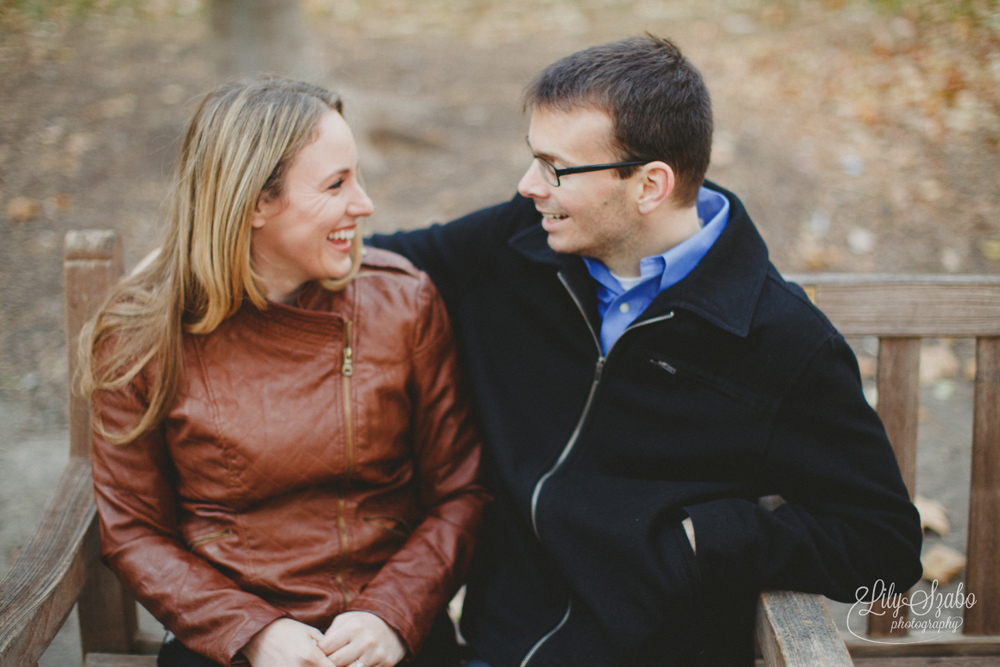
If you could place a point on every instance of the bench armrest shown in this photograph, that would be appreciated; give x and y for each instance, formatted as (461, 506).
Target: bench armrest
(796, 630)
(39, 591)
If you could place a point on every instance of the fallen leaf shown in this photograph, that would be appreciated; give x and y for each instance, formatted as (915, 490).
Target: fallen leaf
(860, 240)
(951, 260)
(118, 106)
(79, 143)
(854, 165)
(933, 515)
(943, 390)
(22, 209)
(816, 255)
(990, 248)
(867, 365)
(931, 190)
(969, 371)
(942, 564)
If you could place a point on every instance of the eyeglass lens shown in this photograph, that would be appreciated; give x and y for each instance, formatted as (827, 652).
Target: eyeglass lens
(548, 171)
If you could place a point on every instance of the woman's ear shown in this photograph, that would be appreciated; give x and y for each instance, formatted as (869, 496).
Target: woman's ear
(262, 211)
(656, 186)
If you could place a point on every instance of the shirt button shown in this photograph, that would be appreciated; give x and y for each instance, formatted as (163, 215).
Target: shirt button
(624, 308)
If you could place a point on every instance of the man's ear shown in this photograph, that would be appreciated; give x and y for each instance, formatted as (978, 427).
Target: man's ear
(657, 183)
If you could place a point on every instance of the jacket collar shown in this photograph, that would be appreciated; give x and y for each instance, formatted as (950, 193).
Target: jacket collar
(723, 289)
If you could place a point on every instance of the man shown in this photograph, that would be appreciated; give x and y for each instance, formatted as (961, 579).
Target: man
(643, 375)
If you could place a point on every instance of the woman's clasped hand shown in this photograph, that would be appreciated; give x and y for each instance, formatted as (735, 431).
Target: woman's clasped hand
(353, 637)
(361, 636)
(287, 643)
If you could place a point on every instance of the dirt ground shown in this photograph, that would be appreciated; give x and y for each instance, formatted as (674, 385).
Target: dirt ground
(863, 136)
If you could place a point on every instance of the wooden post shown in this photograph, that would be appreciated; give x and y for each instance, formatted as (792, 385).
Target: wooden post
(93, 264)
(108, 619)
(898, 407)
(981, 577)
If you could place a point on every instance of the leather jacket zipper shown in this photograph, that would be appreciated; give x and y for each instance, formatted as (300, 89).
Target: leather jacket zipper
(346, 371)
(211, 536)
(574, 436)
(344, 546)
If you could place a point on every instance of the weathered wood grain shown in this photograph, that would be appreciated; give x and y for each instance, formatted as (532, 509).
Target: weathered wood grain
(796, 630)
(92, 265)
(907, 305)
(899, 401)
(978, 661)
(982, 577)
(42, 586)
(898, 407)
(118, 660)
(945, 646)
(107, 612)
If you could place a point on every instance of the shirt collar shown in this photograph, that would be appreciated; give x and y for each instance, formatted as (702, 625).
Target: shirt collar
(674, 264)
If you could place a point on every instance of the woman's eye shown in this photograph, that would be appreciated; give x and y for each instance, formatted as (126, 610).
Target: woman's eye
(337, 184)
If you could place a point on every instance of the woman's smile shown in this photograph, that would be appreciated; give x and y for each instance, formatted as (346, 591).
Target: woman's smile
(342, 238)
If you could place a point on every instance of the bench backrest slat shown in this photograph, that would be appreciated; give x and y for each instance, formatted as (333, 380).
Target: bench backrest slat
(982, 570)
(928, 306)
(898, 407)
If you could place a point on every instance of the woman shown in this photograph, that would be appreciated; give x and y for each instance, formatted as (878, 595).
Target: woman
(283, 462)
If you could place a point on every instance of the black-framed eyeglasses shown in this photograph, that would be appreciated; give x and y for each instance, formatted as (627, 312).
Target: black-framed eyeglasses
(552, 175)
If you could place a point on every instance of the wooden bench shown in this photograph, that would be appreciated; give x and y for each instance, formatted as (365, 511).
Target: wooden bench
(900, 311)
(60, 568)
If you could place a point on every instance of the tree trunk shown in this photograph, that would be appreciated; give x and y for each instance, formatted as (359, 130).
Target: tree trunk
(255, 36)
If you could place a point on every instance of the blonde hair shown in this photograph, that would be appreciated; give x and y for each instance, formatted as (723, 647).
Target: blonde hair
(237, 151)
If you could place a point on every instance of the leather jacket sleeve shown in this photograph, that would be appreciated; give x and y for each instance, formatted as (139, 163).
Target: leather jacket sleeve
(141, 542)
(419, 580)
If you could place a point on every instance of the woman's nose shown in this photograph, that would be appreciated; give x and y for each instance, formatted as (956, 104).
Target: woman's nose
(362, 205)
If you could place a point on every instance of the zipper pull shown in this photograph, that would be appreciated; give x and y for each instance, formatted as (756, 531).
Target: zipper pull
(599, 370)
(348, 367)
(664, 365)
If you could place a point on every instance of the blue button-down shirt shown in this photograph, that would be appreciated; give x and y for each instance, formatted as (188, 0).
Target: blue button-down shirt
(620, 307)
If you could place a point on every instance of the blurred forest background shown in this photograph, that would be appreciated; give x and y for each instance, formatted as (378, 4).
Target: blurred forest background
(863, 136)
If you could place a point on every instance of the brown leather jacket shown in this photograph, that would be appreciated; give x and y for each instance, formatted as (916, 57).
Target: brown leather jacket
(320, 459)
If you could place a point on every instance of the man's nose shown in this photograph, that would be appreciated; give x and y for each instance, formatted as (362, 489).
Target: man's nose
(533, 184)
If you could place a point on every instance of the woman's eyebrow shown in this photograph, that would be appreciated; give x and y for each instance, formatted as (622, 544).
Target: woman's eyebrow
(336, 173)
